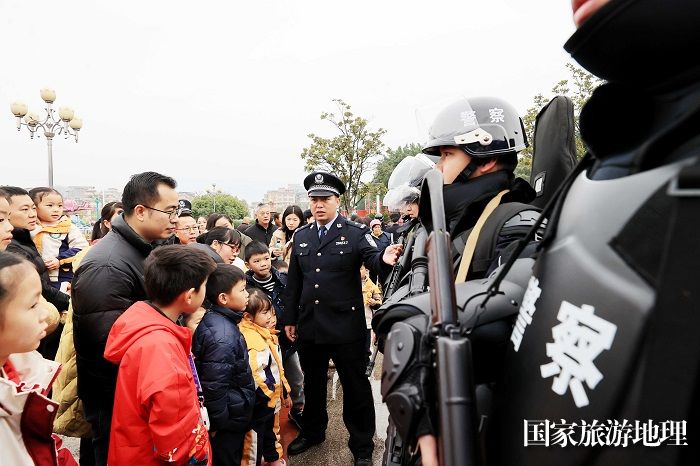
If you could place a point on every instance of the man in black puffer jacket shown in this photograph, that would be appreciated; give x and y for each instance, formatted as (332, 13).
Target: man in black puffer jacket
(109, 280)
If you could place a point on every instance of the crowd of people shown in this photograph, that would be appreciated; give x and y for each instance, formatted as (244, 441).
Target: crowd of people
(170, 338)
(167, 326)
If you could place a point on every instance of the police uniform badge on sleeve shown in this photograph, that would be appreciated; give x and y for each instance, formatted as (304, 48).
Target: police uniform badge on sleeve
(370, 240)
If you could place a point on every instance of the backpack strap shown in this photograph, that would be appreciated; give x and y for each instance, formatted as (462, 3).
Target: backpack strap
(470, 244)
(488, 242)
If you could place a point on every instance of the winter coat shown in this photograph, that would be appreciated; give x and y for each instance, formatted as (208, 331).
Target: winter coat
(265, 359)
(109, 280)
(276, 297)
(23, 245)
(383, 240)
(62, 241)
(370, 291)
(70, 419)
(156, 415)
(258, 233)
(26, 414)
(221, 358)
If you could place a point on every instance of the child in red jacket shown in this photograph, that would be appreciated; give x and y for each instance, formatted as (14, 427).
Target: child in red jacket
(157, 415)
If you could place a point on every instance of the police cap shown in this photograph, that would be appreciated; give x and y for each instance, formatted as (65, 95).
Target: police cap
(323, 184)
(185, 207)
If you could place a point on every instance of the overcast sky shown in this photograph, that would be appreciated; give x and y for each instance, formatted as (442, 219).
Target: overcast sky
(226, 92)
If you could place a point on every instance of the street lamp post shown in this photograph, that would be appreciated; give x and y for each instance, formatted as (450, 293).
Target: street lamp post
(213, 192)
(67, 123)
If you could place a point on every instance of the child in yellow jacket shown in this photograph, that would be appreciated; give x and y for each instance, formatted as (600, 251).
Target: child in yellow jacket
(265, 357)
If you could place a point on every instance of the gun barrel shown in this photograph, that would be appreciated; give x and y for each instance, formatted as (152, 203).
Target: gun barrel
(456, 402)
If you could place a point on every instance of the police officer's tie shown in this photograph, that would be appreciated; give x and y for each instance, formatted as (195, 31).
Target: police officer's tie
(322, 232)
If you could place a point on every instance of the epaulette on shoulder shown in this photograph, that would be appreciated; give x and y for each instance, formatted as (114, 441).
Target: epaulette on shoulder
(359, 225)
(308, 225)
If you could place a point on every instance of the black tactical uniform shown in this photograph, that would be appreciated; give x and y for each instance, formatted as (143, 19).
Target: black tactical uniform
(620, 262)
(324, 301)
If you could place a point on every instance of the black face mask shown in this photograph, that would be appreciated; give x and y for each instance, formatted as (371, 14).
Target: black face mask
(646, 44)
(459, 197)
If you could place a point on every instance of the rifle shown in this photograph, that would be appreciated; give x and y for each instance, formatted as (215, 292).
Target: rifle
(397, 272)
(406, 240)
(452, 349)
(443, 348)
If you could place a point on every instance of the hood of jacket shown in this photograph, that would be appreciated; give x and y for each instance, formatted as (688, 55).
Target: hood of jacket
(139, 320)
(257, 338)
(35, 374)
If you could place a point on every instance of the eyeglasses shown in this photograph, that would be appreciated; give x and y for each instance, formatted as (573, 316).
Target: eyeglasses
(233, 246)
(175, 213)
(194, 228)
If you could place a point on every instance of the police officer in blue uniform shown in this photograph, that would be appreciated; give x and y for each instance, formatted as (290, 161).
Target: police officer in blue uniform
(325, 314)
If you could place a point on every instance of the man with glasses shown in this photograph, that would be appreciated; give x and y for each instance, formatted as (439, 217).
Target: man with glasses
(109, 280)
(187, 230)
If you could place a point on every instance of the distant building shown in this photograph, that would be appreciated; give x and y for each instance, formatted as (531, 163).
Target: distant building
(85, 202)
(292, 194)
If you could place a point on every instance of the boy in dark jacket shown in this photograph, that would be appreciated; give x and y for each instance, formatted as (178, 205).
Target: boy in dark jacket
(221, 358)
(261, 275)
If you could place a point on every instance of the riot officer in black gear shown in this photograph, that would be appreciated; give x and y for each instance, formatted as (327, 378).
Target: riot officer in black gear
(478, 140)
(604, 351)
(474, 143)
(618, 258)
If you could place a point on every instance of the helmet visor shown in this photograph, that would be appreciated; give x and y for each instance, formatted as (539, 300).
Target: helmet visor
(397, 198)
(404, 181)
(410, 171)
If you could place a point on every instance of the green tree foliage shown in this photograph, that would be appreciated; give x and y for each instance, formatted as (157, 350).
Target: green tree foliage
(578, 87)
(221, 203)
(349, 155)
(387, 164)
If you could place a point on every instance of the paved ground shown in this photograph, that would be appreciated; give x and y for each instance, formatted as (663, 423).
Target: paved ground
(334, 451)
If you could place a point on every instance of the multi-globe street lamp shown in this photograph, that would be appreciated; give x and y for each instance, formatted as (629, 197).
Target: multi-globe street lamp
(67, 123)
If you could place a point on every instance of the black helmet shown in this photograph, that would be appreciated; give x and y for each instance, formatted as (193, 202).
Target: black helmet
(483, 127)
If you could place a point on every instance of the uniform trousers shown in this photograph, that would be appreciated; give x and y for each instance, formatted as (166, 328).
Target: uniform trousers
(295, 378)
(358, 405)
